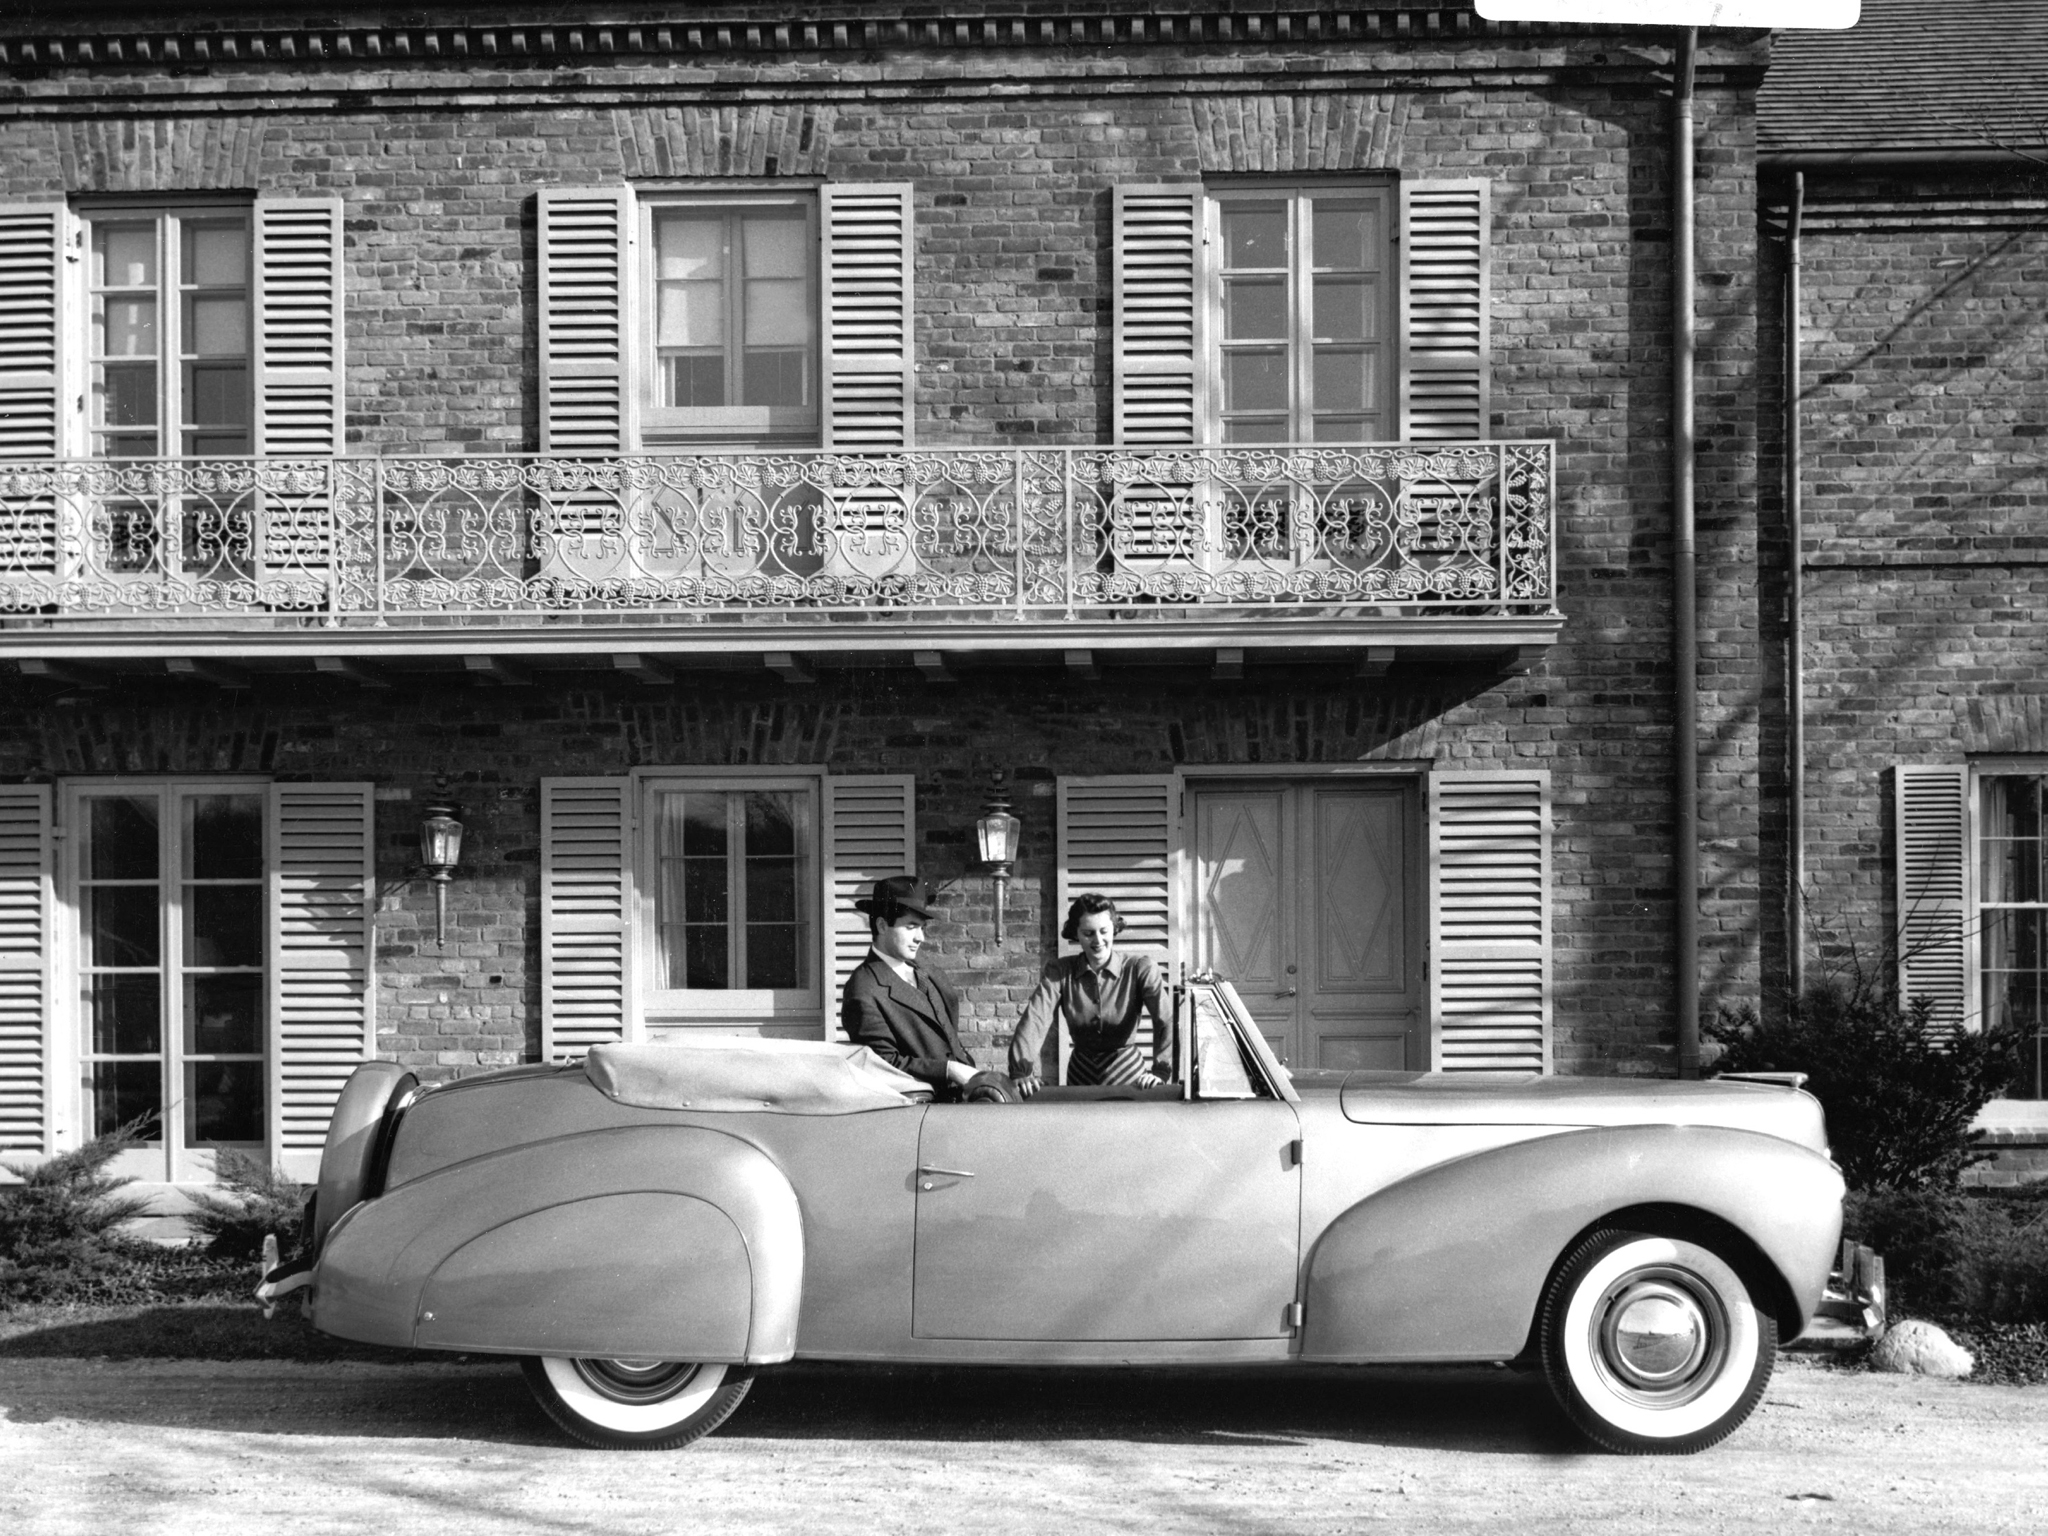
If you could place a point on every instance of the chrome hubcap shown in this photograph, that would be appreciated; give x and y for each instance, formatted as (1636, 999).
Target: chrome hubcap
(1659, 1336)
(636, 1381)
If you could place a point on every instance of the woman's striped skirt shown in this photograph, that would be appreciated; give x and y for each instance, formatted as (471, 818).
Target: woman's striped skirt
(1116, 1068)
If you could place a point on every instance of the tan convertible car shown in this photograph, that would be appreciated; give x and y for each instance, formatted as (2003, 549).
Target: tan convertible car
(653, 1224)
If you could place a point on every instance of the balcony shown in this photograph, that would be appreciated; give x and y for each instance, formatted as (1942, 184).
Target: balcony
(711, 558)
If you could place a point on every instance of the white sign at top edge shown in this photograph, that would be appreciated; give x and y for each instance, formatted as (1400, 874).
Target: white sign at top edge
(1778, 15)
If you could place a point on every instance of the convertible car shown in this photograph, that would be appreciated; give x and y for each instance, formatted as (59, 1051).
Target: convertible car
(655, 1223)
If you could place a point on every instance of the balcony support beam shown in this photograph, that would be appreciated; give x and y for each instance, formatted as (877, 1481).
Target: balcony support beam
(1229, 666)
(65, 672)
(219, 673)
(497, 672)
(788, 666)
(1376, 661)
(362, 673)
(1521, 660)
(643, 669)
(1081, 664)
(933, 665)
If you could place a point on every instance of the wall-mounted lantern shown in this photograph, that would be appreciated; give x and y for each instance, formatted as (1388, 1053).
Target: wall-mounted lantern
(995, 835)
(440, 852)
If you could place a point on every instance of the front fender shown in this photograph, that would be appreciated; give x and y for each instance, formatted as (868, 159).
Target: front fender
(645, 1242)
(1450, 1264)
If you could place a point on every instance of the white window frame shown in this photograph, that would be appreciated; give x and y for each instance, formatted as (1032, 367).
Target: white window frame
(2029, 1115)
(70, 1098)
(785, 1010)
(660, 426)
(1301, 341)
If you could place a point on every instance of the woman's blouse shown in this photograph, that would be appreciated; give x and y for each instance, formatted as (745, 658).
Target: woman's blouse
(1102, 1008)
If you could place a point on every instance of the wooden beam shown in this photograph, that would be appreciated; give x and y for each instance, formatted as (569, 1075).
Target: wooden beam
(497, 671)
(643, 669)
(66, 672)
(1229, 664)
(219, 673)
(1376, 660)
(1082, 664)
(1521, 660)
(361, 673)
(933, 665)
(789, 666)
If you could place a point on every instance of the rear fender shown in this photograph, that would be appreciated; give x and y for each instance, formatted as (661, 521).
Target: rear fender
(645, 1242)
(1450, 1264)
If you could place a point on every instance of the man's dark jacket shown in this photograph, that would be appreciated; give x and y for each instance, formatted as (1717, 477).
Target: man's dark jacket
(914, 1028)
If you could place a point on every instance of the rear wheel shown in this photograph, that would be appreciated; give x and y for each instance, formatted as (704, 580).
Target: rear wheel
(1654, 1344)
(636, 1405)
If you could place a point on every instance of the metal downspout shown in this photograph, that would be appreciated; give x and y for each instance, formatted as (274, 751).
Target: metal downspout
(1795, 609)
(1685, 853)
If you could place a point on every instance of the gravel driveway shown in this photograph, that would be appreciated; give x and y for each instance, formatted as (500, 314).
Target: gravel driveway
(177, 1446)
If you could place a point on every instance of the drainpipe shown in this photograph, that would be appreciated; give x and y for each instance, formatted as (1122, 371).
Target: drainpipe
(1685, 852)
(1795, 608)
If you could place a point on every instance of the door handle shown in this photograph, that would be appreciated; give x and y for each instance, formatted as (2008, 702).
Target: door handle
(1290, 992)
(949, 1173)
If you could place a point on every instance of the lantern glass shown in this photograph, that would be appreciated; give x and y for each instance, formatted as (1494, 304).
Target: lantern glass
(997, 833)
(440, 838)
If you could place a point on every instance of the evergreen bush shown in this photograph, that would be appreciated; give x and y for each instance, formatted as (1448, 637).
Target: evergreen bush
(250, 1200)
(59, 1227)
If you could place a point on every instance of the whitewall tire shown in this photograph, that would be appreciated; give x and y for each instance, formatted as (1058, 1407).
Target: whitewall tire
(1655, 1344)
(652, 1405)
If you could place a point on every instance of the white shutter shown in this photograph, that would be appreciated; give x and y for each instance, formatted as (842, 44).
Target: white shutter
(299, 329)
(25, 846)
(585, 403)
(1931, 806)
(870, 362)
(1158, 316)
(1489, 906)
(870, 834)
(31, 375)
(321, 876)
(1445, 270)
(586, 830)
(1120, 835)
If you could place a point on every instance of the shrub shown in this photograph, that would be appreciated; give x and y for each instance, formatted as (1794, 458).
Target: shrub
(251, 1200)
(1958, 1259)
(59, 1225)
(1899, 1094)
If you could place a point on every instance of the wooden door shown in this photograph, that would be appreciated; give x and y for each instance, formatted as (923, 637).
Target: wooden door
(1307, 898)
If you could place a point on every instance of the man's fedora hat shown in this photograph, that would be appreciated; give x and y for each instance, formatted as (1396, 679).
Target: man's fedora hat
(894, 897)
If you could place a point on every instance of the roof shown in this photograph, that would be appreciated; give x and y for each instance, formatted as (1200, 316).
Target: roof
(1912, 75)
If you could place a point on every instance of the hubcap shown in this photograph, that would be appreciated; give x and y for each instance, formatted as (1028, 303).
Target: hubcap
(1658, 1336)
(636, 1381)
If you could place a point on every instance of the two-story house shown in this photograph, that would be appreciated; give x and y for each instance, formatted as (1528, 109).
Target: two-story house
(709, 444)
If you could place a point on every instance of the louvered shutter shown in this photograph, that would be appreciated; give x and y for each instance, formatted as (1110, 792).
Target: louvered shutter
(1931, 807)
(585, 914)
(1489, 904)
(25, 846)
(585, 403)
(1158, 316)
(31, 375)
(1445, 269)
(1120, 834)
(299, 331)
(870, 834)
(322, 881)
(870, 360)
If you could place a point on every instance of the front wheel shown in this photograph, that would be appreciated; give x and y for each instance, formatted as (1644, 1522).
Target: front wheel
(1654, 1345)
(636, 1405)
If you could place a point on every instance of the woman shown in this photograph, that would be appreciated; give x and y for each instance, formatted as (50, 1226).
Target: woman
(1101, 993)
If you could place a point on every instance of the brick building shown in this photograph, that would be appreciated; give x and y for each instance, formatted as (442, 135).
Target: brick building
(707, 443)
(1919, 141)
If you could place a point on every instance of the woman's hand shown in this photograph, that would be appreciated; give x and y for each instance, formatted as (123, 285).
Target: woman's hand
(1148, 1080)
(1027, 1085)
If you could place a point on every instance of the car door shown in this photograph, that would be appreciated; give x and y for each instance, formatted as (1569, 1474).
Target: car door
(1100, 1220)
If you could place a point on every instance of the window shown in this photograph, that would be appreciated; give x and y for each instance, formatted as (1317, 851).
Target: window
(171, 967)
(169, 354)
(2012, 898)
(732, 900)
(1304, 324)
(733, 309)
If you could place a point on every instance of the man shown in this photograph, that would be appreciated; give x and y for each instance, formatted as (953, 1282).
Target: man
(904, 1013)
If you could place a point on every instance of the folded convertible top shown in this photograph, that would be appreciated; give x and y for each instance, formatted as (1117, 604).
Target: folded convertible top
(734, 1073)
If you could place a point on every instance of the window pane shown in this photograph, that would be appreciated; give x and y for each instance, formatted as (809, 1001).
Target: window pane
(696, 381)
(774, 958)
(125, 396)
(126, 328)
(706, 959)
(216, 256)
(216, 327)
(775, 312)
(1344, 381)
(224, 925)
(2011, 851)
(1255, 235)
(776, 246)
(223, 1102)
(224, 837)
(689, 248)
(121, 925)
(224, 1015)
(772, 821)
(124, 1091)
(124, 255)
(771, 890)
(1341, 234)
(1269, 431)
(775, 378)
(127, 1015)
(699, 823)
(1341, 310)
(1254, 310)
(1343, 429)
(691, 315)
(216, 396)
(1255, 381)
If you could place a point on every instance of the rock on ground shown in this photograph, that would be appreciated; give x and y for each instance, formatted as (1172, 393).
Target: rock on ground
(1915, 1348)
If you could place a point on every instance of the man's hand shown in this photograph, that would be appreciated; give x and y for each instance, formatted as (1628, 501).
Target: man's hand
(1148, 1080)
(958, 1075)
(1028, 1084)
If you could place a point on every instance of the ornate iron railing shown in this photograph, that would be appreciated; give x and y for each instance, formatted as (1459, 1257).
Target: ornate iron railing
(969, 534)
